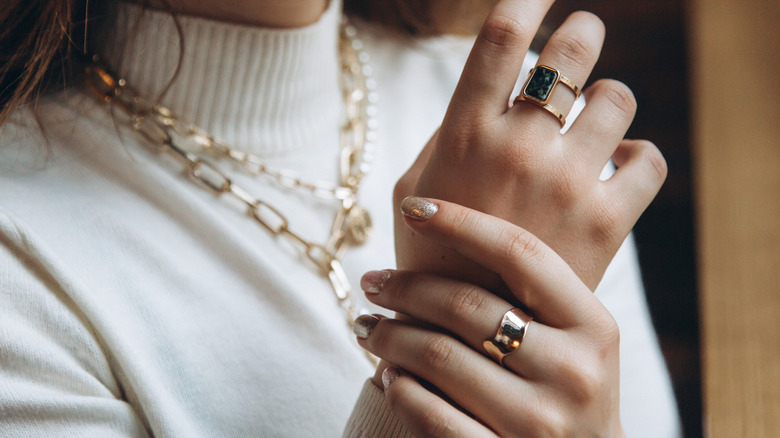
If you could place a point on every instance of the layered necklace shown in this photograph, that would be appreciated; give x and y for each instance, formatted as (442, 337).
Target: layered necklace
(199, 152)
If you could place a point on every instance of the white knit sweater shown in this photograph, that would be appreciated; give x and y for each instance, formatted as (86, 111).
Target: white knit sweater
(134, 303)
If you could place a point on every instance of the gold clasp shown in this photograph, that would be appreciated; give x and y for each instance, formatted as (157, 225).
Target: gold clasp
(101, 81)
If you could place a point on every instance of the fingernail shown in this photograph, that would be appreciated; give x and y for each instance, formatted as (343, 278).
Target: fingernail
(374, 281)
(363, 325)
(418, 208)
(389, 375)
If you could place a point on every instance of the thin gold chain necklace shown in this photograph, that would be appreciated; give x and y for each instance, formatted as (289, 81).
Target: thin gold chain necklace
(165, 133)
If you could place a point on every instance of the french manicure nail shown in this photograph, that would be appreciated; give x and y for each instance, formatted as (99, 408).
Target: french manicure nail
(418, 208)
(363, 325)
(374, 281)
(389, 375)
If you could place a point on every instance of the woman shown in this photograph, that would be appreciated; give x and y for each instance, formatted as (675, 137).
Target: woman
(137, 303)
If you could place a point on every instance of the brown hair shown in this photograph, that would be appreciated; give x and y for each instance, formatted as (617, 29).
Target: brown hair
(41, 46)
(31, 43)
(42, 41)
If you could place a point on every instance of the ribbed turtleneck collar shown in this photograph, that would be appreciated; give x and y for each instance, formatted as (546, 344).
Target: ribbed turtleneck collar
(261, 90)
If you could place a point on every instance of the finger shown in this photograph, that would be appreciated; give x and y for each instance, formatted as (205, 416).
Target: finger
(572, 50)
(641, 170)
(603, 122)
(471, 380)
(425, 414)
(467, 311)
(534, 273)
(492, 68)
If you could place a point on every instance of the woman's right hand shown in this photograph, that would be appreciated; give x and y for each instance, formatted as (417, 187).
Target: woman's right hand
(514, 163)
(563, 377)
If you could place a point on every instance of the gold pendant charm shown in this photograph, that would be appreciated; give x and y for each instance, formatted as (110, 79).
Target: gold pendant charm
(358, 225)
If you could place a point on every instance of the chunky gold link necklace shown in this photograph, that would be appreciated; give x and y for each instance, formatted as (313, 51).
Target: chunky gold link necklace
(166, 134)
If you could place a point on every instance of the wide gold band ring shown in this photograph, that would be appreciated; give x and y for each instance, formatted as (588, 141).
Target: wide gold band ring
(540, 87)
(510, 334)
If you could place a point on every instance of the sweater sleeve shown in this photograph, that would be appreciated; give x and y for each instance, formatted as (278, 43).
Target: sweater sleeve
(372, 417)
(55, 379)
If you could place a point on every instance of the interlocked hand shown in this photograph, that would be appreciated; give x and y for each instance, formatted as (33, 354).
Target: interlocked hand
(528, 223)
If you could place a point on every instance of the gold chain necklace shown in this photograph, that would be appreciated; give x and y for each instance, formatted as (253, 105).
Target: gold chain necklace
(166, 134)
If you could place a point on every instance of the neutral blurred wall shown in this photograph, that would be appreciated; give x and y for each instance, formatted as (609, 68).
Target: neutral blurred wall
(735, 77)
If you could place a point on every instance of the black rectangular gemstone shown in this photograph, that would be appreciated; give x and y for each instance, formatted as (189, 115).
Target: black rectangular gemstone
(541, 83)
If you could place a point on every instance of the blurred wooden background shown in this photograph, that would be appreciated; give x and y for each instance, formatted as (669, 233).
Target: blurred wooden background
(736, 86)
(706, 74)
(646, 48)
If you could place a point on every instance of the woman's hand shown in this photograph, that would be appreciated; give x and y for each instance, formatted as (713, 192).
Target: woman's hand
(514, 163)
(563, 380)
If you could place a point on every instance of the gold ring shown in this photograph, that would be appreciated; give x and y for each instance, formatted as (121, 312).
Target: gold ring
(540, 86)
(510, 334)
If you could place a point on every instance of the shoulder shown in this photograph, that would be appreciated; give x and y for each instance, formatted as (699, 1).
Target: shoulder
(54, 125)
(63, 164)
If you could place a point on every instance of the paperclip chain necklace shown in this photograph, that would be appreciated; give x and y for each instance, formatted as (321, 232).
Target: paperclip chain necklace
(166, 134)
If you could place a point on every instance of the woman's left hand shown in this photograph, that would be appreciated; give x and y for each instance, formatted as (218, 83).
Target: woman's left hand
(563, 380)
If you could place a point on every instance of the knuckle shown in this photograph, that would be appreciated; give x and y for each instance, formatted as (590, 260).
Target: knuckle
(620, 96)
(521, 245)
(466, 300)
(573, 49)
(504, 31)
(459, 219)
(584, 381)
(558, 425)
(588, 385)
(550, 423)
(439, 349)
(652, 155)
